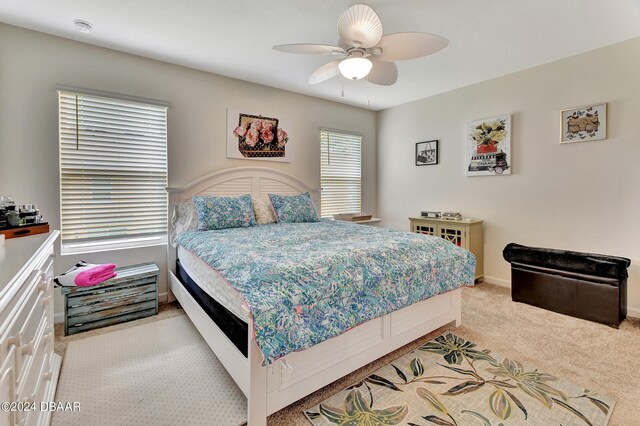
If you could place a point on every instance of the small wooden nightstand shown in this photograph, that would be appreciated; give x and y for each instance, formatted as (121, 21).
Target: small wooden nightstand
(132, 294)
(463, 233)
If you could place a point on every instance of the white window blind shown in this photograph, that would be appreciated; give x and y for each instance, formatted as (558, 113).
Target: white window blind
(113, 168)
(340, 172)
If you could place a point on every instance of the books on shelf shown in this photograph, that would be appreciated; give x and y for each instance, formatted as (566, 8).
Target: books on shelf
(433, 215)
(452, 215)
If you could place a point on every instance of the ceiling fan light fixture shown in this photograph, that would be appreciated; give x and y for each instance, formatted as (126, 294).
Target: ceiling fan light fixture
(355, 68)
(367, 52)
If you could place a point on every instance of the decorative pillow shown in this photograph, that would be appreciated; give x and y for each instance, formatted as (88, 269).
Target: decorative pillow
(294, 208)
(184, 219)
(263, 211)
(224, 212)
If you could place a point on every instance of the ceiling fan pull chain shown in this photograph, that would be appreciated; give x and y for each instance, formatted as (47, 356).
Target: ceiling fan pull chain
(368, 103)
(342, 82)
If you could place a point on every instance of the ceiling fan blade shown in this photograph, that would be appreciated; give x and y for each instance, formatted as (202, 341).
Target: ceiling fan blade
(309, 49)
(360, 26)
(325, 72)
(382, 73)
(404, 46)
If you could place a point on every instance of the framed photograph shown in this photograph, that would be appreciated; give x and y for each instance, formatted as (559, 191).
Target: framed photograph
(583, 124)
(489, 147)
(427, 153)
(256, 137)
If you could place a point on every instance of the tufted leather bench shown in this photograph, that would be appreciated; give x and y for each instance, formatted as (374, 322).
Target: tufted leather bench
(583, 285)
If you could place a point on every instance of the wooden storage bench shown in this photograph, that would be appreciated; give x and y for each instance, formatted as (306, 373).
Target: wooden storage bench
(131, 295)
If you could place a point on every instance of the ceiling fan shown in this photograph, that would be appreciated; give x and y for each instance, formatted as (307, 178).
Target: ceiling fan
(364, 52)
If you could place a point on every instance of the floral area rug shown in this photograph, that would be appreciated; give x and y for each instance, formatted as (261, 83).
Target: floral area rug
(451, 382)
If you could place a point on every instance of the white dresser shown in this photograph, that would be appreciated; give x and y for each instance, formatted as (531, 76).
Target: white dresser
(28, 366)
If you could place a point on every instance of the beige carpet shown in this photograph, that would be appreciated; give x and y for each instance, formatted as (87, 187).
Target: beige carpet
(580, 351)
(160, 373)
(166, 310)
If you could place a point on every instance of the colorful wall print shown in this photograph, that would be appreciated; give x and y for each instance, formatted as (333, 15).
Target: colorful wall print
(588, 123)
(256, 137)
(489, 147)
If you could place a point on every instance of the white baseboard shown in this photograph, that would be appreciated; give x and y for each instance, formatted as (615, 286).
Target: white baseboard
(631, 312)
(497, 281)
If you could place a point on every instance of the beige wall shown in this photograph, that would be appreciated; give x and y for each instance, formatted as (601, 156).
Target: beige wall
(32, 64)
(581, 196)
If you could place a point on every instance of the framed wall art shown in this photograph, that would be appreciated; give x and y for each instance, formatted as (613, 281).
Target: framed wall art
(489, 147)
(583, 124)
(427, 153)
(256, 137)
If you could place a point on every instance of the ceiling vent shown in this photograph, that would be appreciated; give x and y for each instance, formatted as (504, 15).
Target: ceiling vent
(82, 26)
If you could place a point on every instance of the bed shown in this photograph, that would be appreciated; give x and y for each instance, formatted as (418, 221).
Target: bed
(275, 368)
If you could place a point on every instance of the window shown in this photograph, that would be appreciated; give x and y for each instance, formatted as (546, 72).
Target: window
(340, 172)
(113, 172)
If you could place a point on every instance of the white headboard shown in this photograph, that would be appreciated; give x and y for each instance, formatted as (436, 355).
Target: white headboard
(257, 181)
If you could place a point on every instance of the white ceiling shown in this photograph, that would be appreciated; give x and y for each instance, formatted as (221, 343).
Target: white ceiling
(489, 38)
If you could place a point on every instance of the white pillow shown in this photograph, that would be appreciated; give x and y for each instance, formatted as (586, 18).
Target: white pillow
(184, 219)
(263, 211)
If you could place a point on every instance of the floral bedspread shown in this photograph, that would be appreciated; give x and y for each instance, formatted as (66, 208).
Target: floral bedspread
(308, 282)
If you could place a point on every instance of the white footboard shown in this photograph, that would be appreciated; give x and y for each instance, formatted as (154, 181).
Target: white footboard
(328, 361)
(268, 389)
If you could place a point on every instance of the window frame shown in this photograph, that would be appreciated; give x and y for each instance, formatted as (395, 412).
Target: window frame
(107, 243)
(350, 134)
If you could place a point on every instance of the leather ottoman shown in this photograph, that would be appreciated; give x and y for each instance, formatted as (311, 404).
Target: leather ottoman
(583, 285)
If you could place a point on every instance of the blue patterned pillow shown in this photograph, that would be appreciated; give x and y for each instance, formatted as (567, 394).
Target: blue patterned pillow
(294, 208)
(224, 212)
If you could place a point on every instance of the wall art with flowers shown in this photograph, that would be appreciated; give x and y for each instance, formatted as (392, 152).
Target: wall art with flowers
(489, 147)
(256, 137)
